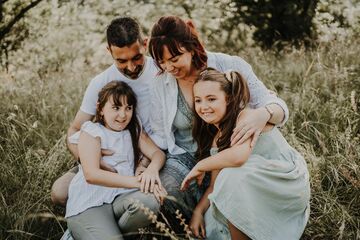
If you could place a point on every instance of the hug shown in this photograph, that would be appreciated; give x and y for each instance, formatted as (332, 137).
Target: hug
(148, 126)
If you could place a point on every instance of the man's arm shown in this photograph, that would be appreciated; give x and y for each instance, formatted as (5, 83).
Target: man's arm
(75, 126)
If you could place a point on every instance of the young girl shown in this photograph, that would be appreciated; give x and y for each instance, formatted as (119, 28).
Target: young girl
(259, 193)
(89, 212)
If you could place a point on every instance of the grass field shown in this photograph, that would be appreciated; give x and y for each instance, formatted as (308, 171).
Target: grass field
(322, 90)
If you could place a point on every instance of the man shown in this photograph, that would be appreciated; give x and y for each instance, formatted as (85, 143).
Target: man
(127, 47)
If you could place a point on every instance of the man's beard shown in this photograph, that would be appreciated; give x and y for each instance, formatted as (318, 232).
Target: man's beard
(133, 74)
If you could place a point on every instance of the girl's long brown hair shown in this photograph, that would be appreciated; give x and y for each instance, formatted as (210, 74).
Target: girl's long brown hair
(237, 97)
(118, 90)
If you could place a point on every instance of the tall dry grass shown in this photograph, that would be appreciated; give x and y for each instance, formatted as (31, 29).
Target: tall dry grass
(321, 87)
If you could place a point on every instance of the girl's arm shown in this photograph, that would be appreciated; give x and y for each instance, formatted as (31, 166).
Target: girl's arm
(197, 224)
(234, 156)
(150, 176)
(90, 155)
(204, 202)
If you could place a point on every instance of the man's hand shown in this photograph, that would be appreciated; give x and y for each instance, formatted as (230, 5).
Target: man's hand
(106, 167)
(103, 164)
(143, 164)
(197, 225)
(250, 123)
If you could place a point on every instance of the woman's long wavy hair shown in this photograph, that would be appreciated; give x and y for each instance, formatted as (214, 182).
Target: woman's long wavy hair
(237, 97)
(175, 33)
(120, 93)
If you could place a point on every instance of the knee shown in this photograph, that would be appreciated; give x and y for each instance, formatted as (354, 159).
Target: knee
(148, 202)
(58, 196)
(59, 190)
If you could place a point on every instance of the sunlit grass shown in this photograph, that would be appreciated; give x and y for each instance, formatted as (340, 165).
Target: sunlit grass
(320, 86)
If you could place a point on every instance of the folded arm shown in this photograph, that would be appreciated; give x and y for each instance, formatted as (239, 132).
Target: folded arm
(90, 155)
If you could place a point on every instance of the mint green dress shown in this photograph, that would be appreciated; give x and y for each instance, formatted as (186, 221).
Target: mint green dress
(266, 198)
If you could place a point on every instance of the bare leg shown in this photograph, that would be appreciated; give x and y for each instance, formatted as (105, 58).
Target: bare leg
(236, 234)
(60, 188)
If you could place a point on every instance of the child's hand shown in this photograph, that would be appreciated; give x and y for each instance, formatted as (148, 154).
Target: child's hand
(193, 174)
(159, 193)
(197, 225)
(149, 178)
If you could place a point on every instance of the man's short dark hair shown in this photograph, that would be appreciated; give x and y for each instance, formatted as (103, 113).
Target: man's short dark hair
(123, 31)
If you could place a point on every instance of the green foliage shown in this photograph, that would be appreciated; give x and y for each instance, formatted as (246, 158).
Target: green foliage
(275, 21)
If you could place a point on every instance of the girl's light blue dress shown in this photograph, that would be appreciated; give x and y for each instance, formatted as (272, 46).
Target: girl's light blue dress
(266, 198)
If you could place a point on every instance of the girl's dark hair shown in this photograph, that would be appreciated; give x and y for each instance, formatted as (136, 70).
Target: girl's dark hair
(118, 90)
(237, 97)
(175, 33)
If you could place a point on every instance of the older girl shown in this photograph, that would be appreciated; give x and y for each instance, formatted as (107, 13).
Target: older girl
(258, 193)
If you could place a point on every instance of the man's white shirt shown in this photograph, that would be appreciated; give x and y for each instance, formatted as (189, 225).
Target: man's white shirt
(141, 86)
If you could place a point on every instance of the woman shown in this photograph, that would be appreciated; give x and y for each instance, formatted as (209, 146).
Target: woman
(178, 52)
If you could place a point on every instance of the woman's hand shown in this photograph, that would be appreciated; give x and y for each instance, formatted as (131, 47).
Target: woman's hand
(148, 179)
(250, 123)
(197, 224)
(193, 174)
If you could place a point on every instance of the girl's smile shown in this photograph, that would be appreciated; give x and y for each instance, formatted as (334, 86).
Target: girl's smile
(117, 117)
(210, 101)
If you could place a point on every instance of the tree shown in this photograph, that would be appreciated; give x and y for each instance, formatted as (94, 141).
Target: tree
(11, 13)
(276, 21)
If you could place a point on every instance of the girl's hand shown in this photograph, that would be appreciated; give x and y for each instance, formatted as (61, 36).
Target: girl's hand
(193, 174)
(159, 193)
(197, 225)
(149, 178)
(250, 123)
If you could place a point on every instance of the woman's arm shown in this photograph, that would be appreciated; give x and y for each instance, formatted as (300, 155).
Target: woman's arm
(252, 123)
(90, 155)
(260, 96)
